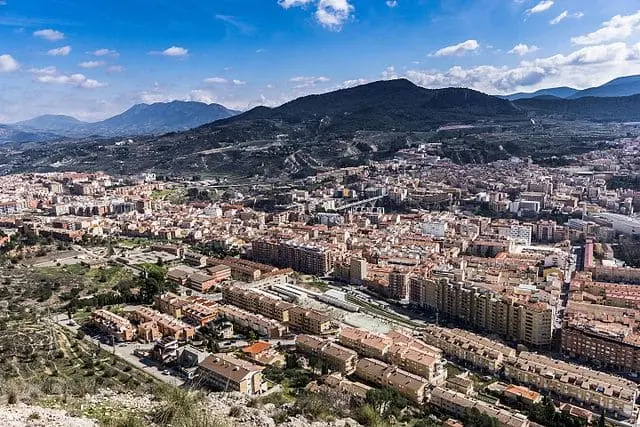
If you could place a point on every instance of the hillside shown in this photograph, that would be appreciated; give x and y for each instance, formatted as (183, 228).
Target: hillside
(559, 92)
(384, 105)
(50, 123)
(141, 119)
(158, 118)
(620, 109)
(348, 127)
(623, 86)
(10, 134)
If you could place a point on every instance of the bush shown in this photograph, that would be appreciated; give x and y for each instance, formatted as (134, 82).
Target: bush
(368, 416)
(235, 411)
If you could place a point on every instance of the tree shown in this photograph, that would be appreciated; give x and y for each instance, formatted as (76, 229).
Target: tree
(601, 421)
(387, 402)
(80, 334)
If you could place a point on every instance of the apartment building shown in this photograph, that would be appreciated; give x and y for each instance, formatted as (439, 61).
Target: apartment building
(615, 274)
(112, 324)
(481, 352)
(398, 285)
(458, 404)
(199, 314)
(309, 321)
(194, 258)
(613, 349)
(171, 304)
(418, 362)
(219, 272)
(603, 334)
(201, 282)
(399, 349)
(305, 258)
(531, 323)
(193, 278)
(353, 388)
(571, 381)
(411, 386)
(227, 373)
(243, 270)
(337, 357)
(422, 292)
(269, 306)
(366, 343)
(255, 322)
(166, 324)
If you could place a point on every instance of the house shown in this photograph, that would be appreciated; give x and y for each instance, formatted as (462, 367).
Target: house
(262, 353)
(225, 372)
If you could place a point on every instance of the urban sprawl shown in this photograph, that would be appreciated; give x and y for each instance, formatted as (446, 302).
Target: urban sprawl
(460, 287)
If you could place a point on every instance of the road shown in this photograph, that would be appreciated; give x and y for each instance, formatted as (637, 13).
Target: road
(123, 351)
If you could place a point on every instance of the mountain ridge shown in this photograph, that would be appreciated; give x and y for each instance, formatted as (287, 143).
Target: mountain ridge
(140, 119)
(620, 86)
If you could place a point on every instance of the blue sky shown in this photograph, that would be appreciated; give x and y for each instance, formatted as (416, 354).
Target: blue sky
(95, 59)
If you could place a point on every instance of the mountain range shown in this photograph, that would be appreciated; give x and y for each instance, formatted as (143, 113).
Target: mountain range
(141, 119)
(346, 127)
(392, 105)
(622, 86)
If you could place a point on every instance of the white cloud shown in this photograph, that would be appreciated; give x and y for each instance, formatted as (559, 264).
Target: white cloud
(60, 51)
(222, 80)
(599, 54)
(523, 49)
(8, 64)
(458, 49)
(559, 18)
(77, 80)
(565, 15)
(586, 67)
(390, 73)
(46, 70)
(49, 34)
(115, 69)
(294, 3)
(308, 81)
(392, 3)
(617, 28)
(105, 52)
(334, 13)
(217, 80)
(91, 64)
(175, 51)
(199, 95)
(543, 6)
(352, 83)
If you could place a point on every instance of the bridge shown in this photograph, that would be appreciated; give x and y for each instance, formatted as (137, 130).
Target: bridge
(365, 202)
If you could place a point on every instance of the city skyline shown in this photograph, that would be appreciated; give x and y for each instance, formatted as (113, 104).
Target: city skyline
(65, 60)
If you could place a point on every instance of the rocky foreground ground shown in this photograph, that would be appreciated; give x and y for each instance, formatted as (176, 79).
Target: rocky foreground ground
(232, 409)
(34, 416)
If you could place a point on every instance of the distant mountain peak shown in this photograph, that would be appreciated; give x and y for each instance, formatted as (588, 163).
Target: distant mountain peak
(621, 86)
(155, 118)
